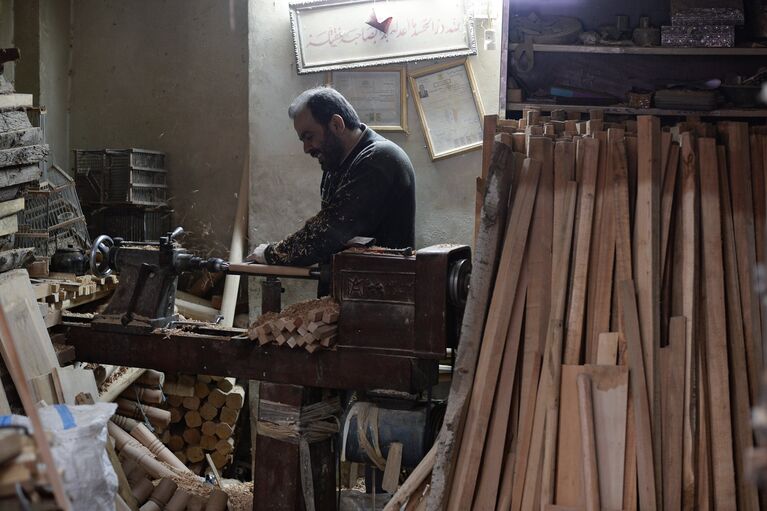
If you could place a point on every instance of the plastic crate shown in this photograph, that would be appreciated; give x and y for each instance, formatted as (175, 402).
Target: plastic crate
(121, 176)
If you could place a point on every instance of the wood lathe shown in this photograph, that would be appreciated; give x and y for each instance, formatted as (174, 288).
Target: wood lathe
(399, 311)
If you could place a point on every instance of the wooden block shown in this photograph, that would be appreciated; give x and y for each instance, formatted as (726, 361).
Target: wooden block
(208, 412)
(192, 436)
(610, 395)
(607, 353)
(226, 384)
(191, 403)
(70, 382)
(186, 379)
(236, 397)
(176, 415)
(194, 454)
(229, 415)
(151, 378)
(220, 461)
(175, 401)
(201, 390)
(390, 480)
(208, 442)
(217, 397)
(11, 207)
(588, 444)
(224, 430)
(672, 399)
(330, 316)
(176, 443)
(225, 446)
(209, 427)
(192, 419)
(143, 395)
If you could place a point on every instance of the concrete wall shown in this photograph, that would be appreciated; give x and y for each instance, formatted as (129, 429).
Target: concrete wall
(285, 182)
(168, 75)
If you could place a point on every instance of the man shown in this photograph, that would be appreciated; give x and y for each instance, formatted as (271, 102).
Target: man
(368, 184)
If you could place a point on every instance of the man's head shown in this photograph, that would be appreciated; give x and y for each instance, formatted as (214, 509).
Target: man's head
(326, 123)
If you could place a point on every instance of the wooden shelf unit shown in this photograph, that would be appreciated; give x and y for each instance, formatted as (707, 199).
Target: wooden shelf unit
(641, 50)
(621, 110)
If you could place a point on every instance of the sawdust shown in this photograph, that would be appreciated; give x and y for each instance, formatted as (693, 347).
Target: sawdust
(112, 378)
(240, 493)
(297, 310)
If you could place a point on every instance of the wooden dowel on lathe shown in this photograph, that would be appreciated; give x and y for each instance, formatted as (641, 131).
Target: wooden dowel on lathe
(217, 501)
(151, 378)
(270, 270)
(143, 395)
(157, 416)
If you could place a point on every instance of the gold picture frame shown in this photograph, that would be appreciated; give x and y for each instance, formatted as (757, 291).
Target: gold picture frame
(379, 95)
(447, 100)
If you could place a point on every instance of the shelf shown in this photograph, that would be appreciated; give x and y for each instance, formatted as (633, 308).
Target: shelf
(641, 50)
(622, 110)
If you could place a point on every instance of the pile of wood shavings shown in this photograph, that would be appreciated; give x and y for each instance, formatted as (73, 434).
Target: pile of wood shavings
(112, 378)
(295, 310)
(240, 494)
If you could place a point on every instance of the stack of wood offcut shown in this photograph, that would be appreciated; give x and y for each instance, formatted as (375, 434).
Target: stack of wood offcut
(611, 346)
(20, 465)
(309, 325)
(203, 415)
(21, 151)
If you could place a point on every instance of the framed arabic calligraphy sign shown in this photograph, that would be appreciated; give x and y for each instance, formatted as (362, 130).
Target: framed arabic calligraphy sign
(346, 34)
(379, 95)
(449, 107)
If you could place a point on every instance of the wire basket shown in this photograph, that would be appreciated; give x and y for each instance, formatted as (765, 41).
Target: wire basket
(52, 217)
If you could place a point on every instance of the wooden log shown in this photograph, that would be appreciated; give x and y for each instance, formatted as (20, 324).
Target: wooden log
(588, 444)
(157, 416)
(742, 432)
(715, 344)
(220, 460)
(176, 443)
(226, 446)
(495, 334)
(176, 414)
(645, 465)
(175, 401)
(236, 397)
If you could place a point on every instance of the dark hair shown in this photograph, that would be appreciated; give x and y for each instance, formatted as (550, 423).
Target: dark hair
(324, 103)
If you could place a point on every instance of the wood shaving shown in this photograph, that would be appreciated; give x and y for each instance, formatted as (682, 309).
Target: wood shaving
(112, 378)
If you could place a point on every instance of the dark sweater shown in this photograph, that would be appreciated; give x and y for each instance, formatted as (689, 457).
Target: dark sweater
(371, 194)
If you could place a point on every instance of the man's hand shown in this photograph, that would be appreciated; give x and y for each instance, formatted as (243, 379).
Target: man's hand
(258, 255)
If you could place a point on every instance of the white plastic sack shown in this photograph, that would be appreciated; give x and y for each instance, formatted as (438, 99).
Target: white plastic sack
(78, 444)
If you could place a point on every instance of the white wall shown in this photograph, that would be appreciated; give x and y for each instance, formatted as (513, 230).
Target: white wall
(285, 182)
(168, 75)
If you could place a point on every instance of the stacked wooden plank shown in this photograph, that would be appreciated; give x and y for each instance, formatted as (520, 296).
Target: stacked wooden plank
(203, 415)
(309, 325)
(621, 350)
(20, 466)
(63, 291)
(21, 151)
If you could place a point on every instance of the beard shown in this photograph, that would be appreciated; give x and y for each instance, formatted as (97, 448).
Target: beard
(330, 153)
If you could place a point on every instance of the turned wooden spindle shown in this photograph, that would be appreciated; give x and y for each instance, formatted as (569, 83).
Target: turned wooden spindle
(151, 378)
(142, 490)
(157, 416)
(217, 501)
(156, 447)
(143, 457)
(143, 394)
(179, 500)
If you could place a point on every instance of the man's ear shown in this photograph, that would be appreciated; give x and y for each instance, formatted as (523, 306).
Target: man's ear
(337, 124)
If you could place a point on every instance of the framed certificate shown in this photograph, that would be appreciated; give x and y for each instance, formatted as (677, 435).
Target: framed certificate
(329, 35)
(449, 107)
(378, 95)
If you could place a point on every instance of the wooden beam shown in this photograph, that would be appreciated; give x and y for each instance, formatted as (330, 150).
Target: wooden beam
(496, 329)
(588, 444)
(645, 466)
(672, 379)
(716, 333)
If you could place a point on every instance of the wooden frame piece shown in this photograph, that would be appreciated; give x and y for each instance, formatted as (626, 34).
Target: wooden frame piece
(371, 84)
(347, 34)
(455, 103)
